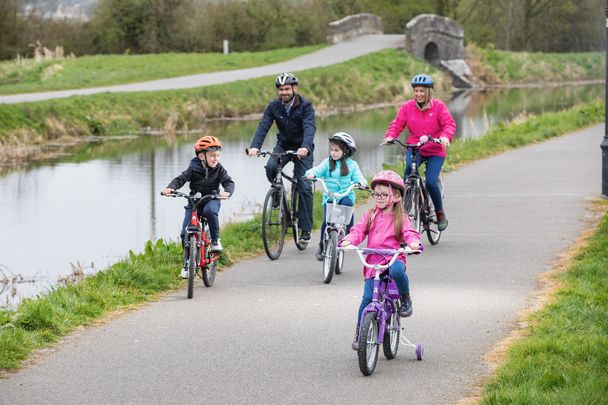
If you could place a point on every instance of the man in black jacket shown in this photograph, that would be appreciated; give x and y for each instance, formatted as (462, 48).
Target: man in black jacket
(295, 119)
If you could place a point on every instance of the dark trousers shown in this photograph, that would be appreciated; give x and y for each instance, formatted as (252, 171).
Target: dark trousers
(433, 169)
(210, 211)
(304, 189)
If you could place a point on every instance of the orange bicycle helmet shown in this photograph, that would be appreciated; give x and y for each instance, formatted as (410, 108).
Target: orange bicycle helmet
(207, 142)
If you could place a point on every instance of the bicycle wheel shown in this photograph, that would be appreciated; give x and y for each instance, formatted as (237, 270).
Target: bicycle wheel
(330, 257)
(430, 222)
(368, 344)
(339, 262)
(192, 264)
(208, 272)
(411, 205)
(294, 227)
(390, 345)
(274, 225)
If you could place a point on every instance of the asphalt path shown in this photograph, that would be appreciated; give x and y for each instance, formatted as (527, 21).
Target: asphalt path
(324, 57)
(272, 332)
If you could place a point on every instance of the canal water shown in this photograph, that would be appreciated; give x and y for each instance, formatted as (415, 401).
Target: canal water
(90, 210)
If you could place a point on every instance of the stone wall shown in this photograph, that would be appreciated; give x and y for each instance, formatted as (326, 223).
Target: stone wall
(354, 25)
(434, 38)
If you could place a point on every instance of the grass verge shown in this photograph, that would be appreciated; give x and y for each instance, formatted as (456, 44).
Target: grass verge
(36, 323)
(29, 76)
(563, 356)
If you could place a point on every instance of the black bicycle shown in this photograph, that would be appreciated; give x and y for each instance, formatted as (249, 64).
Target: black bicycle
(416, 201)
(280, 212)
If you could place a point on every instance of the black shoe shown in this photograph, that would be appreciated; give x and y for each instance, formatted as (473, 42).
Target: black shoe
(305, 236)
(319, 255)
(405, 309)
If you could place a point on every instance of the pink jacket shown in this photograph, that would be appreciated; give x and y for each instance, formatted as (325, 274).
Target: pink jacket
(435, 121)
(381, 236)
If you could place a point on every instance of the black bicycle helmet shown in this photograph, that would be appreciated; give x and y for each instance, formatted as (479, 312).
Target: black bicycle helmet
(422, 80)
(347, 139)
(285, 78)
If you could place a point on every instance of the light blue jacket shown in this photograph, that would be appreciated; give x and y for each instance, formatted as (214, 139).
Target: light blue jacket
(341, 182)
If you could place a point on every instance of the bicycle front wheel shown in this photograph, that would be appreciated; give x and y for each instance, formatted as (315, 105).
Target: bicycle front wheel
(330, 257)
(368, 344)
(274, 224)
(411, 205)
(192, 264)
(294, 226)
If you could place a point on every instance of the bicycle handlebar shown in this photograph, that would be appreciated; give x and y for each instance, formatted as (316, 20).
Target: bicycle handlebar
(197, 196)
(410, 145)
(264, 153)
(384, 252)
(338, 194)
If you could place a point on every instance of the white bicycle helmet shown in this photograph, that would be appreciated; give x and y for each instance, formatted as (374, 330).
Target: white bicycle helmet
(348, 140)
(285, 78)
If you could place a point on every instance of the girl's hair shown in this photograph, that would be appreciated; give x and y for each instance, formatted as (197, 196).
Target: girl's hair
(345, 154)
(397, 215)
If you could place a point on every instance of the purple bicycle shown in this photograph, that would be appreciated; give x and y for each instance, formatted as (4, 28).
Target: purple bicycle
(380, 323)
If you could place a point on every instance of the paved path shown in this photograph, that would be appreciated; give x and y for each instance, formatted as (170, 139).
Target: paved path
(327, 56)
(272, 332)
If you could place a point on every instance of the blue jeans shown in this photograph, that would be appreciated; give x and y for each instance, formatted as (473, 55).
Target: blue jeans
(343, 201)
(210, 211)
(397, 272)
(433, 169)
(304, 189)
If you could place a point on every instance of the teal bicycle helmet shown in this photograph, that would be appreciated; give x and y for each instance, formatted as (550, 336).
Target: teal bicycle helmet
(422, 80)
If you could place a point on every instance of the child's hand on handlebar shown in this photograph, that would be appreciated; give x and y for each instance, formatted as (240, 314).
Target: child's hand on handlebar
(345, 243)
(414, 245)
(309, 176)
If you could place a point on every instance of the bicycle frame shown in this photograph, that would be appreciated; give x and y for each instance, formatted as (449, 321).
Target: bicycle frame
(335, 197)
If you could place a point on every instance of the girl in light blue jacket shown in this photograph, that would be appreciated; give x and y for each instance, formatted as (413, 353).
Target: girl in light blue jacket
(343, 170)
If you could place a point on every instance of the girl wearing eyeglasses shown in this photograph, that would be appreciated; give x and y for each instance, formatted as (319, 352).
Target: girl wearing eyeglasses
(386, 226)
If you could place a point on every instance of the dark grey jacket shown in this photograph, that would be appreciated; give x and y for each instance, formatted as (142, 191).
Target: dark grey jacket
(296, 130)
(203, 179)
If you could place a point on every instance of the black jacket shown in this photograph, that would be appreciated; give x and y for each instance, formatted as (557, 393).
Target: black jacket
(203, 179)
(296, 130)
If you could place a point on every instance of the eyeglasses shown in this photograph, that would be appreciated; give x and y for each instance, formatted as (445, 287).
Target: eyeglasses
(380, 196)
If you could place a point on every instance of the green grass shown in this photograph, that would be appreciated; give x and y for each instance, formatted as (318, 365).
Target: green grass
(524, 67)
(373, 78)
(563, 359)
(104, 70)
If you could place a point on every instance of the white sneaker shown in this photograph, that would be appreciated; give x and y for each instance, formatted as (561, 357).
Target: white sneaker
(216, 246)
(184, 273)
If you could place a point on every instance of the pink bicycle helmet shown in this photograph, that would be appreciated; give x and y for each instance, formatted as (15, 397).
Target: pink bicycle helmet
(389, 177)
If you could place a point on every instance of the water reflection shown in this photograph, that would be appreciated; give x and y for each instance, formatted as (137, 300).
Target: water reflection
(90, 211)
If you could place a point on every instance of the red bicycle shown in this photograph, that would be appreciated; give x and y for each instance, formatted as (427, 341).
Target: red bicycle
(197, 246)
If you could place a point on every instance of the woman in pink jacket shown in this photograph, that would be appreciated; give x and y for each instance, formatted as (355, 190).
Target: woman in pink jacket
(386, 227)
(426, 117)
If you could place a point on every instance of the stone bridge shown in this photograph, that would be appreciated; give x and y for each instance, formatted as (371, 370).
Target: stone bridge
(354, 25)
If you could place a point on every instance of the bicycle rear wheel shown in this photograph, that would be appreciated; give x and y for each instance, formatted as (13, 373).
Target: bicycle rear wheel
(193, 261)
(294, 226)
(274, 224)
(209, 270)
(330, 257)
(411, 205)
(390, 345)
(430, 222)
(368, 344)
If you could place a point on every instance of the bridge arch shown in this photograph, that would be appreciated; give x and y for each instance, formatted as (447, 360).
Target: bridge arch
(434, 38)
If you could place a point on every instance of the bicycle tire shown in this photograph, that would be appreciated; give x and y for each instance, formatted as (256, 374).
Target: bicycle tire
(192, 264)
(390, 345)
(411, 205)
(274, 225)
(368, 344)
(339, 262)
(330, 257)
(209, 270)
(430, 222)
(294, 227)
